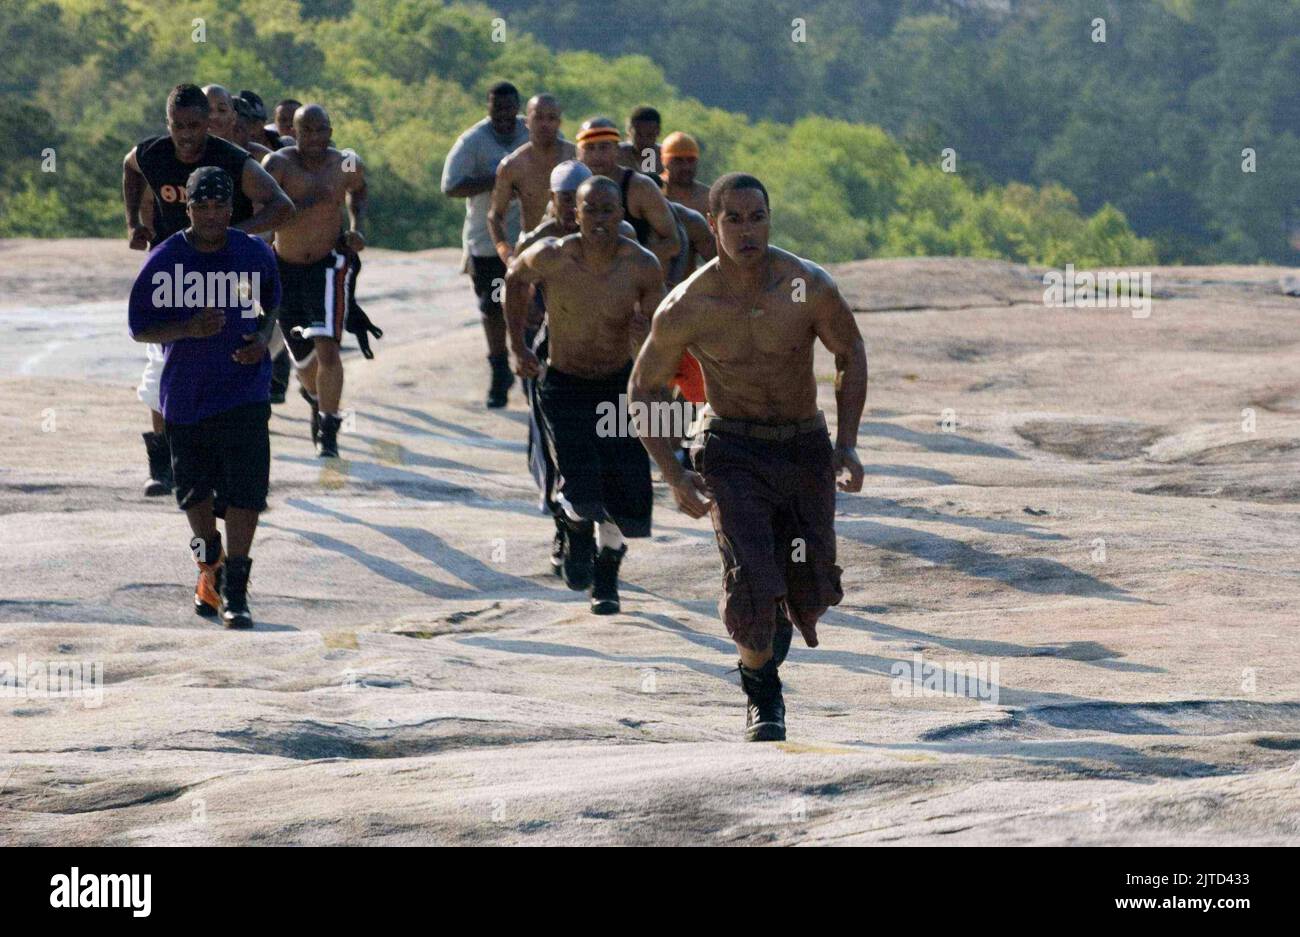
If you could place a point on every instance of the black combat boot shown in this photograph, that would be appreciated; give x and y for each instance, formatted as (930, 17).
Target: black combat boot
(328, 446)
(160, 465)
(502, 380)
(604, 581)
(765, 715)
(234, 593)
(579, 552)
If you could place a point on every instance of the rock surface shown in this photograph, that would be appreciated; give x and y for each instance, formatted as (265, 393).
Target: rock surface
(1102, 511)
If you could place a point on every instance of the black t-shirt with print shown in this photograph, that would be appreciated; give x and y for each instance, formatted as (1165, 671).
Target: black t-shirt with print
(167, 176)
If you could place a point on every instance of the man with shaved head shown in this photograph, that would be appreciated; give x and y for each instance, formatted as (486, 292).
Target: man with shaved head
(596, 284)
(221, 111)
(526, 173)
(314, 263)
(764, 466)
(644, 206)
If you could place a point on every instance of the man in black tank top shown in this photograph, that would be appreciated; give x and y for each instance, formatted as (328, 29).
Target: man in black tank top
(164, 163)
(159, 167)
(639, 225)
(644, 206)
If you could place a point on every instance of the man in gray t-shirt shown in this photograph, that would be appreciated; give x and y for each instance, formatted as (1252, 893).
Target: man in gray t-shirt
(469, 173)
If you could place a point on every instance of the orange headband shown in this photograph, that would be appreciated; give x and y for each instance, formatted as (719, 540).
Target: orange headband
(597, 134)
(680, 144)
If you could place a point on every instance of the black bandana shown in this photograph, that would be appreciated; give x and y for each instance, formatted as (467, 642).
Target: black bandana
(209, 182)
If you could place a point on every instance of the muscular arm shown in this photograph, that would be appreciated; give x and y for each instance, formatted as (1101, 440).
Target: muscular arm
(653, 372)
(697, 229)
(274, 207)
(134, 188)
(503, 191)
(650, 293)
(522, 272)
(834, 324)
(647, 202)
(358, 195)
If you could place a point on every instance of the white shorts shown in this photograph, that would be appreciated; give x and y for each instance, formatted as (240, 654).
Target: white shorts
(150, 389)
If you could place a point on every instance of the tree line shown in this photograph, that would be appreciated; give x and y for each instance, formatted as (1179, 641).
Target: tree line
(83, 80)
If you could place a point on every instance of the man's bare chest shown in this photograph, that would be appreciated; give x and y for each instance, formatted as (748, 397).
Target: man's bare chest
(324, 185)
(744, 334)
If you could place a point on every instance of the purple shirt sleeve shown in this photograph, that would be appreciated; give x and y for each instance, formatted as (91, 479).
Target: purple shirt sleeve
(142, 312)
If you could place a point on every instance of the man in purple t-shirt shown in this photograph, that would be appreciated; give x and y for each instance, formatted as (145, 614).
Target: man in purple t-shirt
(195, 296)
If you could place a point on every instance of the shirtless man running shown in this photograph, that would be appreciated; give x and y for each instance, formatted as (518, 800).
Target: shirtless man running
(526, 173)
(681, 160)
(765, 469)
(644, 206)
(561, 220)
(596, 284)
(314, 263)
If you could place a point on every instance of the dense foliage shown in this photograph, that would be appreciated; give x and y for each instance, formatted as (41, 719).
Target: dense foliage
(1152, 121)
(402, 78)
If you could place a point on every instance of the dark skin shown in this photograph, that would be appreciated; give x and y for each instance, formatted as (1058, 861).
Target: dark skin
(284, 117)
(209, 220)
(642, 135)
(682, 186)
(597, 283)
(526, 173)
(644, 200)
(502, 111)
(188, 128)
(740, 319)
(321, 180)
(752, 327)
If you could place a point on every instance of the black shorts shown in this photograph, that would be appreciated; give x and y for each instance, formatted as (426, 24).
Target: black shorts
(226, 457)
(484, 272)
(314, 300)
(601, 477)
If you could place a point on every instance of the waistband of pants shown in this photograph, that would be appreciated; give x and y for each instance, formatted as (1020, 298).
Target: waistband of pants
(554, 374)
(326, 260)
(773, 432)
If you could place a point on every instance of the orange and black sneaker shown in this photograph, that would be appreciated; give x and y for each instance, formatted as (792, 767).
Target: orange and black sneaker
(207, 591)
